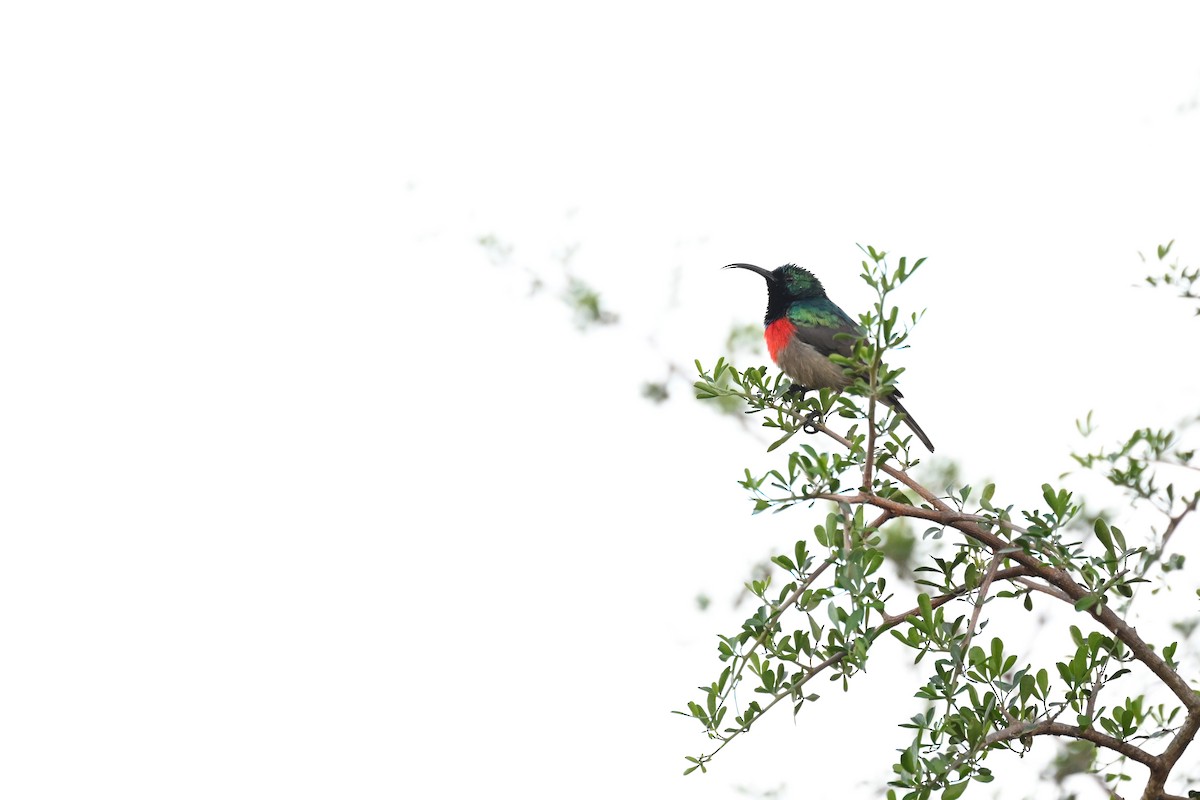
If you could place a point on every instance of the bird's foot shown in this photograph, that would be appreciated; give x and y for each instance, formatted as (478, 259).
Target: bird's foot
(811, 420)
(796, 392)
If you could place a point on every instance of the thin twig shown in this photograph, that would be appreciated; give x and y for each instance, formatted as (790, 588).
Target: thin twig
(1174, 522)
(1107, 789)
(983, 590)
(1050, 590)
(869, 462)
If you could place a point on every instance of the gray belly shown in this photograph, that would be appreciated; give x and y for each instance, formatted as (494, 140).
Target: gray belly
(807, 367)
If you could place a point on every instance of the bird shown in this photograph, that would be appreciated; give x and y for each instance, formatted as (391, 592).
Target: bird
(804, 327)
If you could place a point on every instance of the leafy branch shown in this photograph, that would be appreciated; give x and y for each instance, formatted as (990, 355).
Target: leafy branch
(1183, 279)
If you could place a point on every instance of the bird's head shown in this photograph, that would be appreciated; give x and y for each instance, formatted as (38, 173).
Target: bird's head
(785, 285)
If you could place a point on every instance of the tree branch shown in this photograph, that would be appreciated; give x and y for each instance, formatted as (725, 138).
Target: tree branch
(1050, 590)
(1052, 575)
(983, 590)
(1051, 728)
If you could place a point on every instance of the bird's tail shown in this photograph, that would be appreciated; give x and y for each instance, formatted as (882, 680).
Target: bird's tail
(895, 403)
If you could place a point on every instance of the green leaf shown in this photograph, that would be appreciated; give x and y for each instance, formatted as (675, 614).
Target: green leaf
(908, 760)
(955, 791)
(926, 606)
(1118, 537)
(1087, 601)
(778, 442)
(1101, 528)
(986, 499)
(784, 562)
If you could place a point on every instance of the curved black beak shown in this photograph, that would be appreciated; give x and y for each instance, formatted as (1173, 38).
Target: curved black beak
(766, 273)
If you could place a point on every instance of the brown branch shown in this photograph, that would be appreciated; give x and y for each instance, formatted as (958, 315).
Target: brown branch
(1159, 766)
(890, 621)
(869, 462)
(1003, 523)
(1157, 784)
(1050, 590)
(1054, 576)
(1051, 728)
(1175, 520)
(899, 475)
(983, 590)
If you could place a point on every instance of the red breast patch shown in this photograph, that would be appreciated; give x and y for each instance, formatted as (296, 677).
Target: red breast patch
(778, 334)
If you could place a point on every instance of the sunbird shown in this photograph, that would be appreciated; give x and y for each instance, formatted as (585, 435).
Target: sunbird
(802, 331)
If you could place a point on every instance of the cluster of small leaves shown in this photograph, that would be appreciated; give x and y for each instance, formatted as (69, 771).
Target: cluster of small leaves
(1183, 279)
(656, 391)
(882, 328)
(834, 606)
(585, 302)
(583, 299)
(1134, 467)
(498, 252)
(742, 339)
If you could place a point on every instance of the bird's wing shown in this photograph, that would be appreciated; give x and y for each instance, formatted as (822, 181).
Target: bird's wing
(825, 327)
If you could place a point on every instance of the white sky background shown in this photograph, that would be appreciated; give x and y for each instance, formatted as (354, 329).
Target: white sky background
(304, 497)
